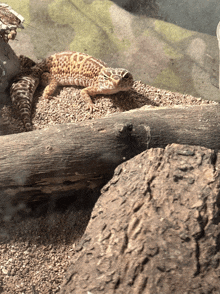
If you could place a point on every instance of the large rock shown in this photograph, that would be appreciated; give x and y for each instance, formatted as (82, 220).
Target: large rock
(9, 67)
(155, 228)
(10, 20)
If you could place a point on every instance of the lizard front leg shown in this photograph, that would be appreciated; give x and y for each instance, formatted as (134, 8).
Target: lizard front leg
(85, 94)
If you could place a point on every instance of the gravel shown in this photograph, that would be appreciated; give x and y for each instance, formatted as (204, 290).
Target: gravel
(35, 251)
(67, 106)
(37, 242)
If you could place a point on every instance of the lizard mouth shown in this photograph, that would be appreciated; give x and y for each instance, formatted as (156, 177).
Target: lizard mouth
(126, 82)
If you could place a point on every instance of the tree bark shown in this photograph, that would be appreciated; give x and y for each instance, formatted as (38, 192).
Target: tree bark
(74, 156)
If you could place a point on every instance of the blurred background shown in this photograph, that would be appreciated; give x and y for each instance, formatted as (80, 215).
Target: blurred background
(170, 44)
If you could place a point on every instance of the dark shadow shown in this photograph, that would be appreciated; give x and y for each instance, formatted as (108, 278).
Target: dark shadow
(129, 100)
(47, 220)
(202, 17)
(141, 7)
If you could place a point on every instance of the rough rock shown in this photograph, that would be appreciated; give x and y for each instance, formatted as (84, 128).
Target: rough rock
(10, 20)
(9, 66)
(155, 228)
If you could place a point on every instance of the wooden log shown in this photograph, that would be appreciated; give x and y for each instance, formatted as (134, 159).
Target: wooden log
(74, 156)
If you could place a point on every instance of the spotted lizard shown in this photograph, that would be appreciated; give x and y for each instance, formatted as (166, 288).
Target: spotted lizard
(66, 69)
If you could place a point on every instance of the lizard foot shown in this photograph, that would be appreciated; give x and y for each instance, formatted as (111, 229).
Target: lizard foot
(91, 107)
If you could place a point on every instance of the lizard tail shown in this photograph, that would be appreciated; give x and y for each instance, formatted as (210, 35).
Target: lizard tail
(22, 92)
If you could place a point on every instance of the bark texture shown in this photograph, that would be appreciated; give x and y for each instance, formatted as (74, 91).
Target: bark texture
(67, 158)
(155, 228)
(73, 151)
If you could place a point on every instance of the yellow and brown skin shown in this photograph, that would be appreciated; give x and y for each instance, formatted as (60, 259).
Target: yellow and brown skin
(74, 68)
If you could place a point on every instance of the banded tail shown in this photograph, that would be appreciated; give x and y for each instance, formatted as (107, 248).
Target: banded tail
(22, 92)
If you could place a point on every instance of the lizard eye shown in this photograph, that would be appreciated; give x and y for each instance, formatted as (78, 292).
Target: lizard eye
(106, 77)
(127, 75)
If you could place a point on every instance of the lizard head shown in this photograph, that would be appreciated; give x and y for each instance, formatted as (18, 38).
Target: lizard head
(112, 80)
